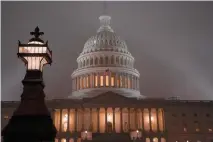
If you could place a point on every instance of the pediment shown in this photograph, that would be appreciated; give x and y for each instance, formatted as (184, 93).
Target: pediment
(109, 98)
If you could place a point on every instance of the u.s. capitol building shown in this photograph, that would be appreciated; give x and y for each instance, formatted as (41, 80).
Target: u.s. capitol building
(106, 104)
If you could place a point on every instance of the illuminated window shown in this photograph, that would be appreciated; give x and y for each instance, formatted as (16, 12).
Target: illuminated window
(196, 126)
(210, 130)
(101, 80)
(6, 117)
(147, 140)
(155, 139)
(107, 80)
(163, 140)
(87, 78)
(63, 140)
(96, 80)
(112, 81)
(185, 129)
(65, 123)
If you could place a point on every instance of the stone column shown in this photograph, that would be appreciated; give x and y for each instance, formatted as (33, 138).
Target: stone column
(60, 129)
(68, 120)
(158, 129)
(77, 88)
(92, 80)
(128, 119)
(121, 119)
(138, 82)
(76, 119)
(89, 77)
(91, 123)
(142, 119)
(115, 83)
(98, 75)
(113, 113)
(136, 120)
(83, 125)
(150, 125)
(110, 79)
(104, 79)
(105, 119)
(98, 111)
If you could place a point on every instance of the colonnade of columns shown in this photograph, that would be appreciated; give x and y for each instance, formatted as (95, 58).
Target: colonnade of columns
(105, 79)
(147, 139)
(104, 120)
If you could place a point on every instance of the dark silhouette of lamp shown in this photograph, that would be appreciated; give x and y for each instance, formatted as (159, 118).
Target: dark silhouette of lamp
(31, 121)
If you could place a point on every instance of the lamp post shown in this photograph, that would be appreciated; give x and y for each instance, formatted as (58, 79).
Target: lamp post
(31, 121)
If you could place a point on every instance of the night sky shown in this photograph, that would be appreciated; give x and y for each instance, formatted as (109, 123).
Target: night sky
(172, 43)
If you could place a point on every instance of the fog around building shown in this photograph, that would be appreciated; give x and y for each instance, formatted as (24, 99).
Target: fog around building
(171, 42)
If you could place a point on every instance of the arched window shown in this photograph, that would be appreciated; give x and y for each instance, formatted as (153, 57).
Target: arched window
(101, 60)
(91, 61)
(96, 61)
(112, 59)
(117, 60)
(121, 60)
(63, 140)
(84, 63)
(106, 60)
(87, 64)
(125, 62)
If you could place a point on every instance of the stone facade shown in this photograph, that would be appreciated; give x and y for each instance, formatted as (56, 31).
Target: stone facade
(148, 120)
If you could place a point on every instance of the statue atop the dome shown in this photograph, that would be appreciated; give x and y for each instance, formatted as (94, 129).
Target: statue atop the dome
(105, 23)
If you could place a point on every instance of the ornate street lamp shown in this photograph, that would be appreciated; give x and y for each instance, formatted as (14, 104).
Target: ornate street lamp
(32, 121)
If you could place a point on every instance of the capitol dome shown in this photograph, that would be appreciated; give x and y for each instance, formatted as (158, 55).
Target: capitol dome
(105, 64)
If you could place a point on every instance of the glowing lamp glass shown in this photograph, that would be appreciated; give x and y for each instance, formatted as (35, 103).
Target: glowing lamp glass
(34, 54)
